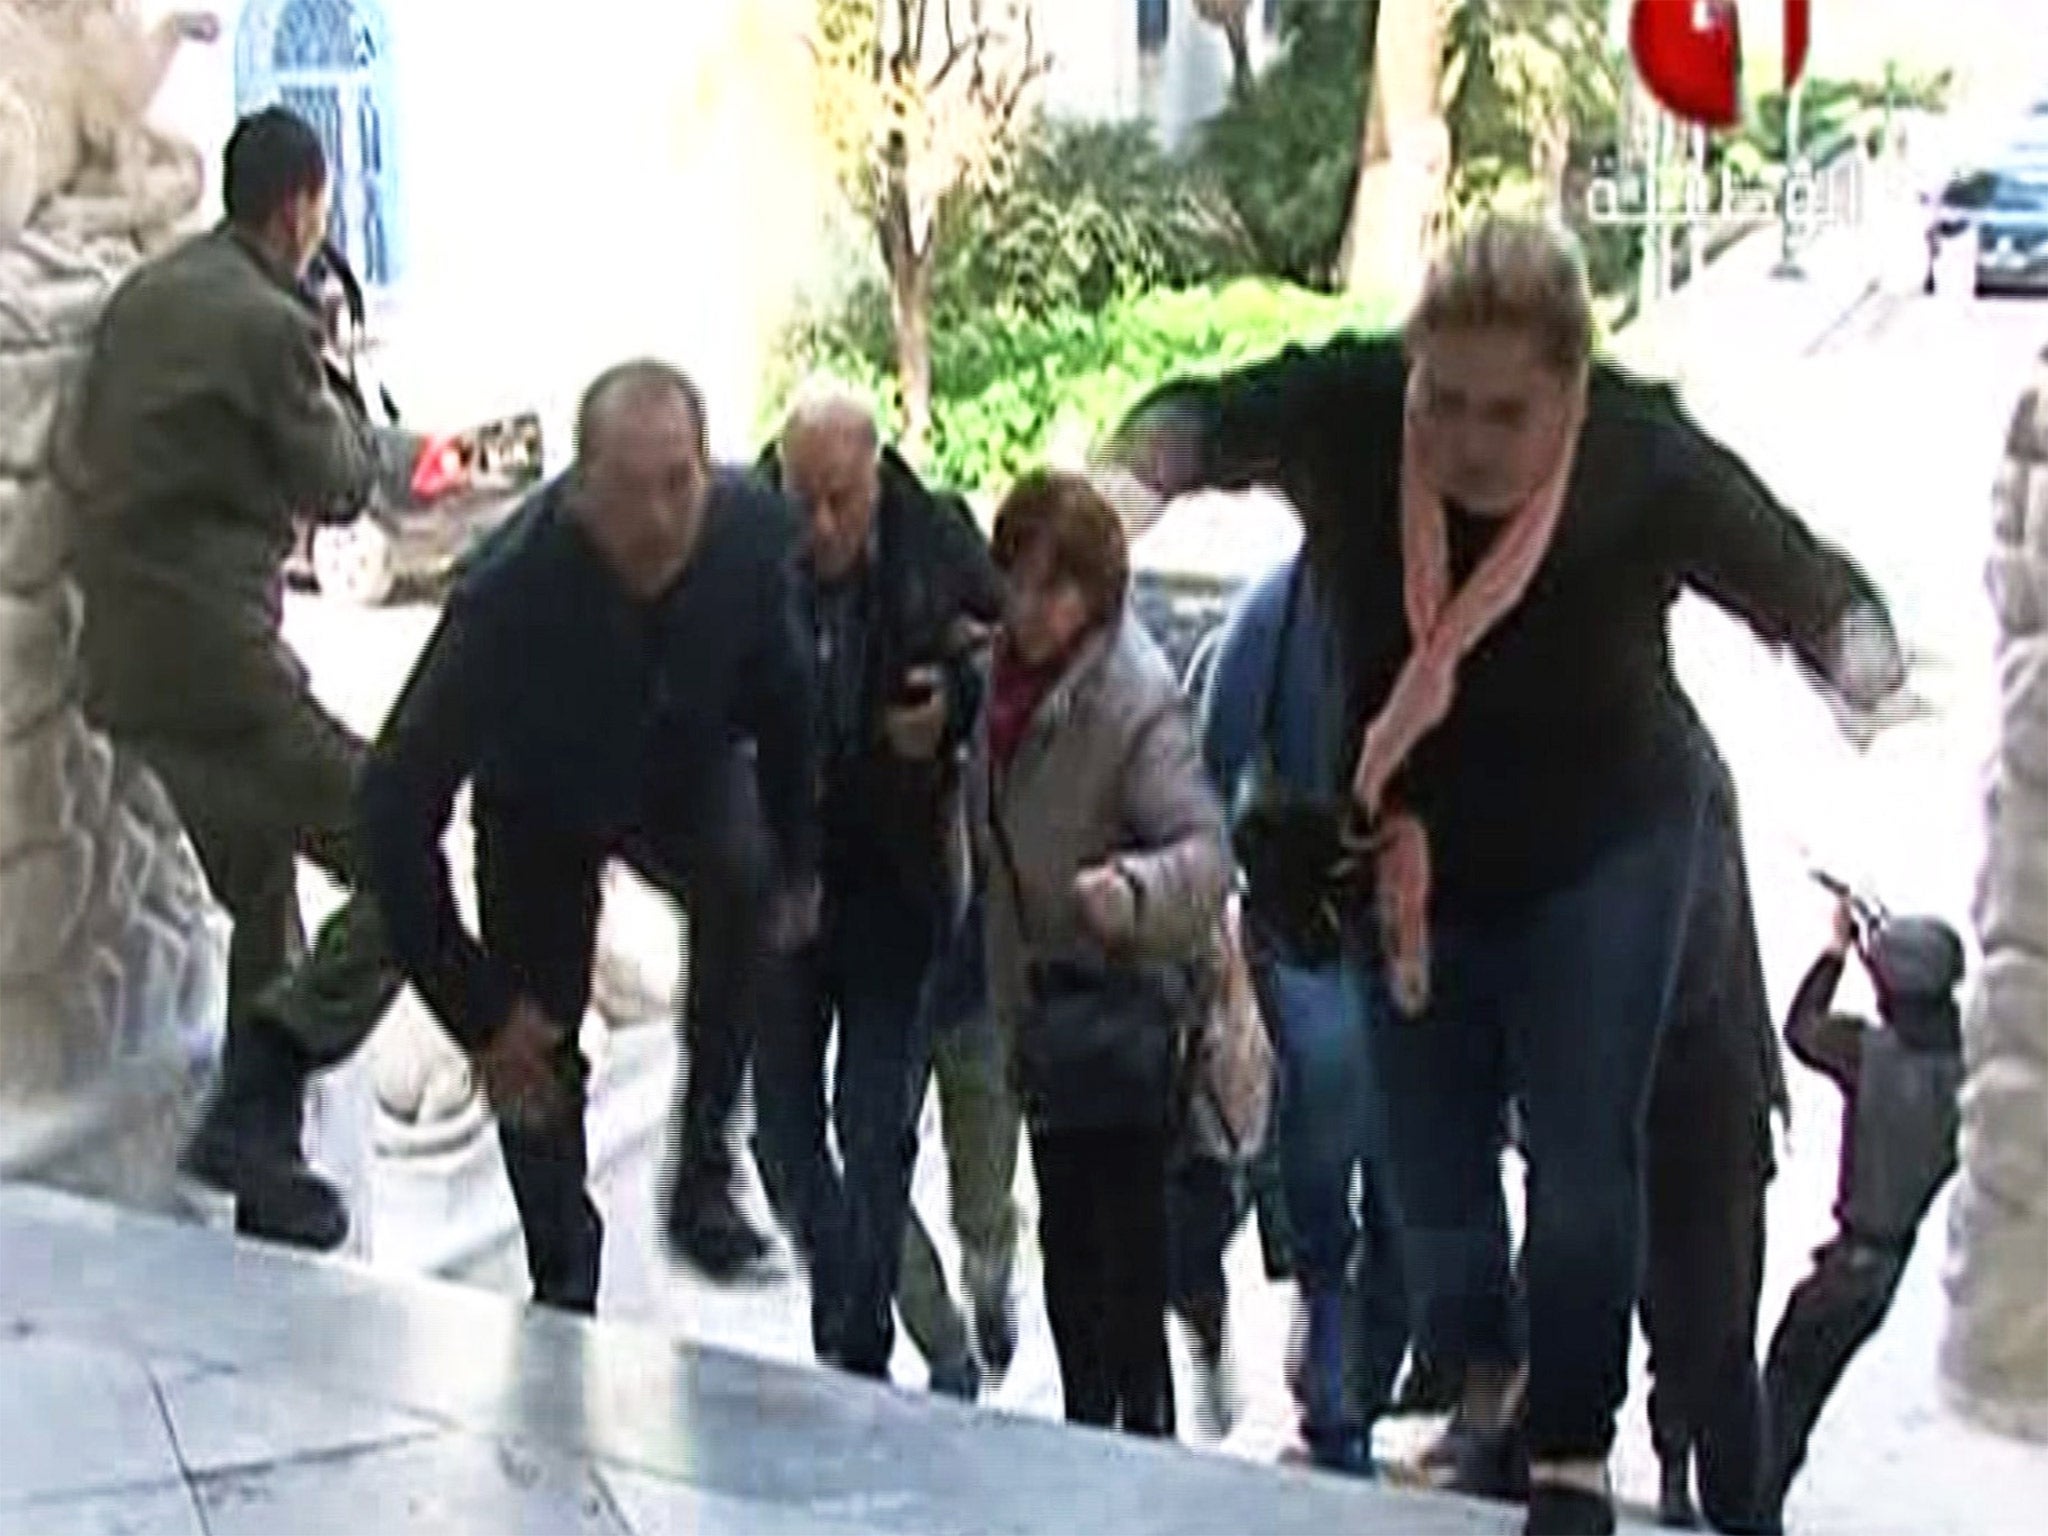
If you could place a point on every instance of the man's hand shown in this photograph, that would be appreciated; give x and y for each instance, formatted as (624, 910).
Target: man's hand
(1109, 905)
(1843, 938)
(197, 26)
(1861, 727)
(916, 729)
(517, 1068)
(794, 916)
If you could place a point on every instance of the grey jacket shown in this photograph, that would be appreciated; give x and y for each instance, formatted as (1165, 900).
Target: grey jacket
(1108, 769)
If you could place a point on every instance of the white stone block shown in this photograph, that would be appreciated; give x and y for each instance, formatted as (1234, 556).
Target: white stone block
(2012, 888)
(2023, 705)
(40, 307)
(44, 893)
(2024, 487)
(33, 538)
(2015, 581)
(37, 771)
(31, 384)
(56, 1032)
(1995, 1353)
(38, 652)
(2005, 1130)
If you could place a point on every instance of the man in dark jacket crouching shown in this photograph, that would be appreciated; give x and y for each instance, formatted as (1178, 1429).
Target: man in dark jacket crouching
(594, 677)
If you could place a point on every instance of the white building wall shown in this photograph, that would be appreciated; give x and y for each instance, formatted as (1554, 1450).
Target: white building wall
(582, 183)
(629, 182)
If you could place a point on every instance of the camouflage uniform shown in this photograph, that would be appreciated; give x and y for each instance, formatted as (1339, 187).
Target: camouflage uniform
(204, 426)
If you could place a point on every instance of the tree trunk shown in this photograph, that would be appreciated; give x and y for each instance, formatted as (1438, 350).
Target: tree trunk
(1233, 19)
(1405, 164)
(1240, 57)
(910, 306)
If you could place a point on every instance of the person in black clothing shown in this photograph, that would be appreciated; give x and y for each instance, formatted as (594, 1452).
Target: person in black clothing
(589, 678)
(1899, 1084)
(895, 586)
(1710, 1159)
(1502, 525)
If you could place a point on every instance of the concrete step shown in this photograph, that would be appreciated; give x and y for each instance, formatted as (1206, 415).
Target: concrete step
(166, 1373)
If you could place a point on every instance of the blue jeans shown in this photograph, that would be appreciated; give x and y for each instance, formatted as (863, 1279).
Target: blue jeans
(1340, 1200)
(865, 977)
(1560, 1005)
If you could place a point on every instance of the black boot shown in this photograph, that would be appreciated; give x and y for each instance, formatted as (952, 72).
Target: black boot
(249, 1145)
(1562, 1510)
(1675, 1508)
(1427, 1388)
(708, 1230)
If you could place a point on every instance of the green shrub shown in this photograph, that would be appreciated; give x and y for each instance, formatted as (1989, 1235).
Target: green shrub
(1089, 213)
(1011, 388)
(1286, 152)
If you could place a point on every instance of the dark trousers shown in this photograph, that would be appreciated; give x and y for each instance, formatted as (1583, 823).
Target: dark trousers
(1559, 1006)
(1205, 1206)
(1710, 1162)
(1830, 1315)
(1102, 1225)
(863, 979)
(254, 804)
(539, 893)
(1339, 1193)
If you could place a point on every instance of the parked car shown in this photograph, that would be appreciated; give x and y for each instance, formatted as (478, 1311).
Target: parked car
(437, 496)
(1993, 223)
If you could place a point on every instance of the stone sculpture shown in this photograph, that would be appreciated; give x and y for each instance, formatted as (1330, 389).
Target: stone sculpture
(1995, 1358)
(78, 158)
(112, 952)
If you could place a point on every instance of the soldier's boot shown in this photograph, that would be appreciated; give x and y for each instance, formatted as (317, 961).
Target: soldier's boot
(249, 1144)
(994, 1304)
(1676, 1510)
(706, 1227)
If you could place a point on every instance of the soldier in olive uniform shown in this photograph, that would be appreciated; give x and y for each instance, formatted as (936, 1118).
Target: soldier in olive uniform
(205, 425)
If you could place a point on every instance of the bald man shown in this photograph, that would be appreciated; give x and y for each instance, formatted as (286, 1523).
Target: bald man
(895, 585)
(593, 678)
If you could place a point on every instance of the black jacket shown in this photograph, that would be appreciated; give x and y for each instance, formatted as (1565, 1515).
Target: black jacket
(1566, 731)
(884, 817)
(581, 714)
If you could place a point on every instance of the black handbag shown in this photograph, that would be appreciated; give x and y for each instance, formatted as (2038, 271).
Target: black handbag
(1298, 877)
(1101, 1042)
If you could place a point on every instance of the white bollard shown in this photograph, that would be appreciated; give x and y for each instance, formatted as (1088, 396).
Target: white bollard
(341, 1143)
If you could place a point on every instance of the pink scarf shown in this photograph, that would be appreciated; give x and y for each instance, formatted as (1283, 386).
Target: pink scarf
(1444, 627)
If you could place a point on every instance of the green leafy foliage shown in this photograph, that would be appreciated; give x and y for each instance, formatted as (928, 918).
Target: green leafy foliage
(1286, 151)
(1011, 389)
(1832, 110)
(1087, 214)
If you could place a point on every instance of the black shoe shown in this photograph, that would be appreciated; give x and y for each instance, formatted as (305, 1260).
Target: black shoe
(1426, 1390)
(1347, 1451)
(249, 1144)
(1675, 1508)
(958, 1379)
(708, 1231)
(995, 1328)
(1559, 1510)
(1491, 1464)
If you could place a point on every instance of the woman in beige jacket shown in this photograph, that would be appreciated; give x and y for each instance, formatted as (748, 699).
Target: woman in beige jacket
(1107, 870)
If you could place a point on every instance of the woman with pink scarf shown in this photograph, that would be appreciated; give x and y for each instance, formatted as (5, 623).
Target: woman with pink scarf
(1501, 524)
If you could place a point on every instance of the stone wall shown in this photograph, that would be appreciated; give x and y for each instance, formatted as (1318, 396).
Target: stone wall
(112, 951)
(1996, 1355)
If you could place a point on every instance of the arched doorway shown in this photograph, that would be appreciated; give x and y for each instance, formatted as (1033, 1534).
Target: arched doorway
(330, 62)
